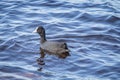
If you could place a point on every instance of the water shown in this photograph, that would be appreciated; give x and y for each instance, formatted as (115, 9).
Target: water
(91, 29)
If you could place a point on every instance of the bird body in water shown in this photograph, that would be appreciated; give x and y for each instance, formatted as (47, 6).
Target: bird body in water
(59, 49)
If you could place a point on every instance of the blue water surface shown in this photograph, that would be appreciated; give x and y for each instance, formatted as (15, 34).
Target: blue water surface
(91, 29)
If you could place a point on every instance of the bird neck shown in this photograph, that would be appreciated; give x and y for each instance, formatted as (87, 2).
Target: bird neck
(43, 37)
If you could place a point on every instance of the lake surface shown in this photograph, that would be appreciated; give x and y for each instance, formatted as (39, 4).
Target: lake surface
(91, 29)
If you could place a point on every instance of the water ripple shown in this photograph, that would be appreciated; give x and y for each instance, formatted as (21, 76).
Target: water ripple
(90, 28)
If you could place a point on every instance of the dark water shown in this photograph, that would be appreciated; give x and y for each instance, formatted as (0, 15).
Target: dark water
(91, 29)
